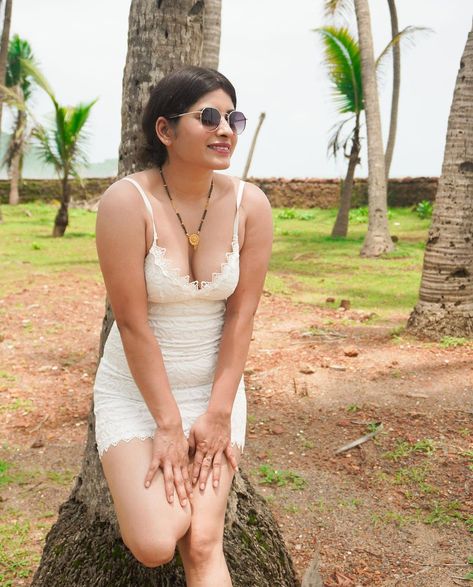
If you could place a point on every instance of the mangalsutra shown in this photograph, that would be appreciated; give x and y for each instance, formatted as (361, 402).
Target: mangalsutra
(193, 238)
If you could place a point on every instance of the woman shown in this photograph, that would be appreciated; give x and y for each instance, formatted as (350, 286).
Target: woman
(184, 253)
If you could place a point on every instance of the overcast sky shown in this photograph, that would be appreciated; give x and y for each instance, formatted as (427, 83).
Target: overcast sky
(270, 53)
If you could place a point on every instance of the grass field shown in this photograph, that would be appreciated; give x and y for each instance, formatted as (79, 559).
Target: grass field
(307, 264)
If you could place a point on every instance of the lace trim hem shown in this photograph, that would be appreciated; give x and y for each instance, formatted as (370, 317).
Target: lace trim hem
(142, 437)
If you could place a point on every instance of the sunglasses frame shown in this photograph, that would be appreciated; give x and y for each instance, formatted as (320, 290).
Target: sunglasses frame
(226, 115)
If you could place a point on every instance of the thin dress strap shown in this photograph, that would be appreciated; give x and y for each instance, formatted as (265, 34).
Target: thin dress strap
(238, 202)
(147, 203)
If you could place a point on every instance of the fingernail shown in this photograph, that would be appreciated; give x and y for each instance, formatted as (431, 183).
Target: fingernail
(191, 495)
(171, 498)
(184, 502)
(194, 480)
(147, 484)
(202, 486)
(215, 483)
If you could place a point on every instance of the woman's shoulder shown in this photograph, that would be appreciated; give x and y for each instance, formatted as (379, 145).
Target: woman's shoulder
(252, 195)
(121, 195)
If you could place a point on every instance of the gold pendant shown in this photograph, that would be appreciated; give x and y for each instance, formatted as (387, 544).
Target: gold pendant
(194, 240)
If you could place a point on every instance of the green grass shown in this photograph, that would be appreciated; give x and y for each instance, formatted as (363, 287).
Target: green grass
(307, 264)
(404, 449)
(270, 476)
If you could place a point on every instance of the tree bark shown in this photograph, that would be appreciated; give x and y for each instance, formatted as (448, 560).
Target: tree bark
(212, 28)
(340, 228)
(396, 89)
(84, 547)
(262, 116)
(3, 59)
(62, 217)
(377, 240)
(445, 306)
(17, 142)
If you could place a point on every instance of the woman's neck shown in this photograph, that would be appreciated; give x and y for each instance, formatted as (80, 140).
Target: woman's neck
(187, 183)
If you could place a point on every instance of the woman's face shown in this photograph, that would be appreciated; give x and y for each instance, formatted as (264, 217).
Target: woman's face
(192, 143)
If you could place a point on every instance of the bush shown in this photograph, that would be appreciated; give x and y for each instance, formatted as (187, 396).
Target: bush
(424, 209)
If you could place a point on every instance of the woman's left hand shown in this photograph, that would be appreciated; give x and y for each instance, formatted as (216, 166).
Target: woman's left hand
(209, 439)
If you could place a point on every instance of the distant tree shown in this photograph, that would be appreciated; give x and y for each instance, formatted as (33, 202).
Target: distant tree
(342, 57)
(445, 306)
(3, 56)
(62, 146)
(21, 77)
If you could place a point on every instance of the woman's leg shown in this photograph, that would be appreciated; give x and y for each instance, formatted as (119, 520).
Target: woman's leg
(201, 548)
(149, 525)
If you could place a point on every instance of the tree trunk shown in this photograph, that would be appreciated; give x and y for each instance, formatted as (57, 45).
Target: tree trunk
(3, 58)
(84, 547)
(340, 228)
(396, 89)
(16, 152)
(212, 27)
(445, 306)
(377, 240)
(262, 116)
(62, 217)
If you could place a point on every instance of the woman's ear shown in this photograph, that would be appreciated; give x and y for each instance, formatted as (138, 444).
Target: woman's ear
(164, 131)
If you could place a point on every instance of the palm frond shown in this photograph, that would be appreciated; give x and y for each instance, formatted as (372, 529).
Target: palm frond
(31, 69)
(342, 57)
(406, 36)
(335, 141)
(45, 149)
(342, 8)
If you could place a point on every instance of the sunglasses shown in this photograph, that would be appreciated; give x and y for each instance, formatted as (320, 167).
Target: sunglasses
(210, 118)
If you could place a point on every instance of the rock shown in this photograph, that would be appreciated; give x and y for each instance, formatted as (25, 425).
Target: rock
(307, 370)
(277, 429)
(338, 367)
(38, 443)
(350, 352)
(345, 304)
(312, 577)
(329, 300)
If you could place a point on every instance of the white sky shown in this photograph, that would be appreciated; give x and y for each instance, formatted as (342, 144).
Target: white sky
(275, 62)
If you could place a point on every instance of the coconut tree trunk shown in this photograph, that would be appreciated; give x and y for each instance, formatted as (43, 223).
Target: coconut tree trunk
(396, 88)
(445, 306)
(3, 58)
(84, 547)
(262, 116)
(212, 28)
(340, 228)
(16, 153)
(62, 217)
(377, 240)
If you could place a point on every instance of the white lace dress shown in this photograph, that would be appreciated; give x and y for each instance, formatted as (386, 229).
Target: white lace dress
(187, 319)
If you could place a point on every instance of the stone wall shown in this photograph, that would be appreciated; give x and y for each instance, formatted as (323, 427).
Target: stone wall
(285, 193)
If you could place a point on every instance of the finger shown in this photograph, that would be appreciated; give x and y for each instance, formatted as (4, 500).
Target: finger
(179, 485)
(231, 457)
(154, 466)
(168, 482)
(204, 471)
(187, 481)
(191, 443)
(199, 457)
(216, 468)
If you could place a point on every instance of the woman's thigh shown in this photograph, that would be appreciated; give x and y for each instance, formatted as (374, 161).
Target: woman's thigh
(208, 510)
(142, 513)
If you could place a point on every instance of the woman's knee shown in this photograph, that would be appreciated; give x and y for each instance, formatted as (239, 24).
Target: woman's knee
(152, 552)
(202, 545)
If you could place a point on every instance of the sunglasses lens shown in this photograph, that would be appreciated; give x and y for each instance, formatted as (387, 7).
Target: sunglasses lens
(210, 118)
(237, 122)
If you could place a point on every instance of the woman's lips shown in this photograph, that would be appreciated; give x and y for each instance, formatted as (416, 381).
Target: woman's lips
(220, 148)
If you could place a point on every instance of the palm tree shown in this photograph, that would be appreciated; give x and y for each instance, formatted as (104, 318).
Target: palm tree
(445, 306)
(84, 547)
(377, 239)
(3, 56)
(62, 146)
(388, 157)
(22, 74)
(342, 56)
(212, 28)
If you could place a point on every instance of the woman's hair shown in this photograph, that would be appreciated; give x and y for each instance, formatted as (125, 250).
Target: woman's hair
(174, 94)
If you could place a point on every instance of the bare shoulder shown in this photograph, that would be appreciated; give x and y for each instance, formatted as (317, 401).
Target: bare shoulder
(118, 197)
(255, 202)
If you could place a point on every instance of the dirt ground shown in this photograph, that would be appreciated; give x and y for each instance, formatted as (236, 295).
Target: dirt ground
(397, 510)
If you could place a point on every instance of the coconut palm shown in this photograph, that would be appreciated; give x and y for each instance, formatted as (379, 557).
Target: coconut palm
(3, 56)
(342, 56)
(21, 77)
(212, 28)
(62, 146)
(445, 306)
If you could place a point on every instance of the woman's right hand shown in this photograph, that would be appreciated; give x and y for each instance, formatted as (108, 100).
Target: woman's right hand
(171, 454)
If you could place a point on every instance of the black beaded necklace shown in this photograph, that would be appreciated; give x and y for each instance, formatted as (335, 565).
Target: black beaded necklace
(193, 238)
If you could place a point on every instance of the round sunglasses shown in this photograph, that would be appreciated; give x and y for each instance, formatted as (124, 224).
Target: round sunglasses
(210, 118)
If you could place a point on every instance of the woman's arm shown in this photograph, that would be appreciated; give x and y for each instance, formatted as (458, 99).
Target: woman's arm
(121, 247)
(237, 330)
